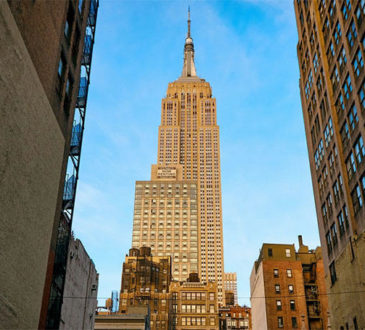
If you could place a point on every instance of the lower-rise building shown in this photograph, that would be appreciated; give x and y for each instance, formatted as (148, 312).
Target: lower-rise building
(137, 318)
(81, 289)
(229, 296)
(288, 288)
(234, 317)
(194, 304)
(145, 281)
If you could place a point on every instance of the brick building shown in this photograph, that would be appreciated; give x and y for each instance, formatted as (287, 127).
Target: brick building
(194, 304)
(288, 288)
(332, 87)
(145, 281)
(235, 317)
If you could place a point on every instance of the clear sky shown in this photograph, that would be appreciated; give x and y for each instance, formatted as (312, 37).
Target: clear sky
(247, 51)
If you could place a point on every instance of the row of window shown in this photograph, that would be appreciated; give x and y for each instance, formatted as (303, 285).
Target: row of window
(343, 224)
(196, 296)
(288, 273)
(271, 254)
(196, 321)
(188, 308)
(279, 305)
(355, 157)
(290, 288)
(358, 194)
(294, 322)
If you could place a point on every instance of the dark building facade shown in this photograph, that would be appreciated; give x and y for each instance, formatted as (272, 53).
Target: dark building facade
(45, 52)
(332, 86)
(145, 281)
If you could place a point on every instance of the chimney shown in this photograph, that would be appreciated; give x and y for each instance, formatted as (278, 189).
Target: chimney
(300, 239)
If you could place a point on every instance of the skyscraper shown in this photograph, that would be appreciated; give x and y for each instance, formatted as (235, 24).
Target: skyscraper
(330, 54)
(188, 146)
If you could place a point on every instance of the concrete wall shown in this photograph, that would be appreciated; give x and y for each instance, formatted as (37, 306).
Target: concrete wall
(79, 300)
(31, 152)
(258, 303)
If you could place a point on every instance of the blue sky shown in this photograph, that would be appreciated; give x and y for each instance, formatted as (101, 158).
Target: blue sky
(247, 51)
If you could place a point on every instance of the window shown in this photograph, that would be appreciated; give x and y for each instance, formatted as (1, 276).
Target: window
(269, 251)
(351, 165)
(328, 132)
(69, 84)
(278, 305)
(342, 60)
(329, 243)
(341, 223)
(345, 133)
(324, 213)
(80, 6)
(315, 62)
(280, 322)
(61, 67)
(358, 63)
(333, 273)
(211, 296)
(329, 203)
(362, 95)
(287, 251)
(288, 273)
(337, 34)
(346, 9)
(353, 118)
(334, 234)
(211, 308)
(352, 34)
(68, 23)
(336, 191)
(335, 78)
(292, 305)
(356, 198)
(359, 149)
(294, 322)
(277, 288)
(359, 12)
(291, 288)
(347, 87)
(212, 321)
(340, 105)
(276, 271)
(332, 49)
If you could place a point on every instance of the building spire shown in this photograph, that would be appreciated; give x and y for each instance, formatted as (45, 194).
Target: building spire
(189, 66)
(189, 22)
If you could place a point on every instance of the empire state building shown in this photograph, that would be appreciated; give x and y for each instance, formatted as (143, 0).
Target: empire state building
(178, 212)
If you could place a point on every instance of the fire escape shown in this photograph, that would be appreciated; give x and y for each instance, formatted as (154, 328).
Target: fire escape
(72, 175)
(312, 296)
